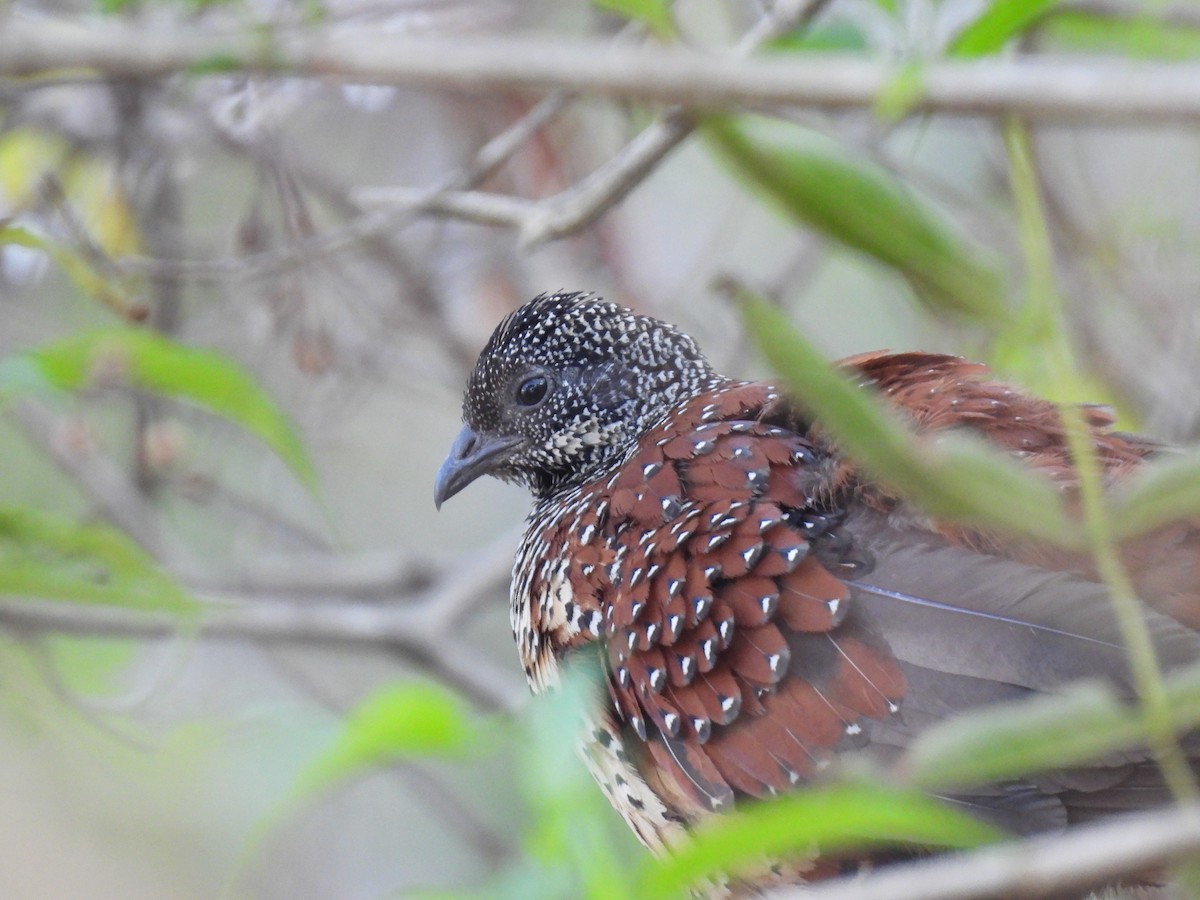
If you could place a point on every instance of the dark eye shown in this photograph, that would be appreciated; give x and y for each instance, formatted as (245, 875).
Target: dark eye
(533, 390)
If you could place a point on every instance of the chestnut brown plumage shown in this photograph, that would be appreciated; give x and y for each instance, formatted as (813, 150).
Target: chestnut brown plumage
(762, 605)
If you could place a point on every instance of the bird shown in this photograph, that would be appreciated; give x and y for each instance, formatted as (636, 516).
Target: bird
(760, 604)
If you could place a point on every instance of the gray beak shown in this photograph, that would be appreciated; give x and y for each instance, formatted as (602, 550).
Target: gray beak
(470, 456)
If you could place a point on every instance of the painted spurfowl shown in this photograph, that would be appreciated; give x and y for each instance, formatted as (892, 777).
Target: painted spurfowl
(762, 605)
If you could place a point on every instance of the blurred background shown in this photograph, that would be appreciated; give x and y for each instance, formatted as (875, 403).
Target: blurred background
(219, 532)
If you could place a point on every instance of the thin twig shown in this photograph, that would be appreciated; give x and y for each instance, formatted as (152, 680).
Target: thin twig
(584, 202)
(366, 226)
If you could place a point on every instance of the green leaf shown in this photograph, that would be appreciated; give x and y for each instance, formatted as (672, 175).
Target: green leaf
(1183, 689)
(832, 818)
(839, 37)
(1086, 721)
(1162, 491)
(1142, 36)
(575, 824)
(814, 182)
(215, 64)
(1083, 723)
(655, 14)
(153, 363)
(952, 477)
(901, 93)
(397, 722)
(55, 558)
(999, 23)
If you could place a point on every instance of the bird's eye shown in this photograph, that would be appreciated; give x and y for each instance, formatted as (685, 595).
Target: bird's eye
(533, 390)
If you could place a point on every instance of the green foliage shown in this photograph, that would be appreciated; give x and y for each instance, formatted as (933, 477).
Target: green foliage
(815, 183)
(120, 7)
(145, 360)
(1162, 491)
(838, 37)
(1084, 722)
(654, 14)
(834, 818)
(1144, 36)
(1043, 296)
(398, 722)
(87, 280)
(1033, 346)
(901, 93)
(955, 477)
(1002, 21)
(52, 557)
(574, 829)
(215, 65)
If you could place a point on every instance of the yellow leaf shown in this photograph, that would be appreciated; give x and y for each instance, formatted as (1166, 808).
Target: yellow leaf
(26, 156)
(93, 189)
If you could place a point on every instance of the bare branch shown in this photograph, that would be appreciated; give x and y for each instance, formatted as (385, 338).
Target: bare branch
(583, 203)
(1042, 89)
(1080, 859)
(404, 628)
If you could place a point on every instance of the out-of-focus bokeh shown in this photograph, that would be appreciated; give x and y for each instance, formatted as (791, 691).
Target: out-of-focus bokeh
(288, 227)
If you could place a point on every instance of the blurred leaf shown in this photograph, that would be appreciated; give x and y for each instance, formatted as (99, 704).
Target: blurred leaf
(397, 722)
(1185, 880)
(1161, 491)
(901, 93)
(27, 155)
(20, 374)
(1024, 352)
(1183, 688)
(92, 666)
(1000, 23)
(838, 817)
(96, 196)
(655, 14)
(953, 477)
(840, 37)
(524, 879)
(151, 362)
(215, 64)
(77, 268)
(815, 182)
(1033, 346)
(55, 558)
(1143, 36)
(556, 726)
(575, 824)
(1086, 721)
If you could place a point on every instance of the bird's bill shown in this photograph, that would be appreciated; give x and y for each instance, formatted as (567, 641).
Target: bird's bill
(472, 454)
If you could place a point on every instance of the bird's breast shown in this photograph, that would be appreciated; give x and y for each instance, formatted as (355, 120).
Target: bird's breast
(561, 572)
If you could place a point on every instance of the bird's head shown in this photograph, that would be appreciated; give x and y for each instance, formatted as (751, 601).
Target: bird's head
(563, 389)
